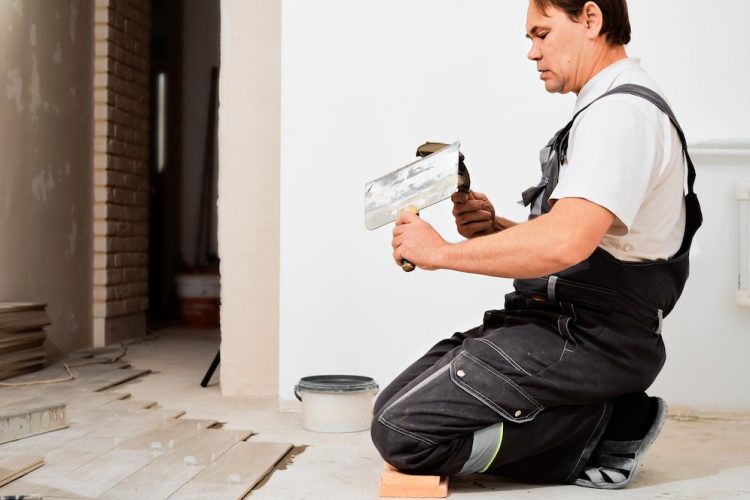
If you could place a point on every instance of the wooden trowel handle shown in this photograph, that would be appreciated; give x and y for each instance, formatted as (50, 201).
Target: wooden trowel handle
(405, 264)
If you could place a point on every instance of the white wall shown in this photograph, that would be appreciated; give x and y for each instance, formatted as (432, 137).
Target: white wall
(364, 83)
(708, 335)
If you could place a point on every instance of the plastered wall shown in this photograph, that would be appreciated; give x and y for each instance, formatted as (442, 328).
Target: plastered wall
(45, 162)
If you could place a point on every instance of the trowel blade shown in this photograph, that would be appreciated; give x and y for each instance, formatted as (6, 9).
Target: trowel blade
(419, 184)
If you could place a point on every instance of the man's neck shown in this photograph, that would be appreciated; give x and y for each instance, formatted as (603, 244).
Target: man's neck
(606, 56)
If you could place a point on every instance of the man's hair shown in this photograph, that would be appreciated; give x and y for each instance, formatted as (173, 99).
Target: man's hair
(615, 25)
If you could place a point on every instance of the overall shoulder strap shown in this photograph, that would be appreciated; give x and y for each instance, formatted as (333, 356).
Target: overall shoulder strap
(694, 215)
(561, 142)
(659, 102)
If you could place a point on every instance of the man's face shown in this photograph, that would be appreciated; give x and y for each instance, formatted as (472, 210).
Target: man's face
(557, 47)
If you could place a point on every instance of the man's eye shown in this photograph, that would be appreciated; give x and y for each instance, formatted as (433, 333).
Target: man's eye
(543, 35)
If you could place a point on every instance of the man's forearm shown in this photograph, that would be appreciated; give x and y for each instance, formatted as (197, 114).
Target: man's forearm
(548, 244)
(522, 251)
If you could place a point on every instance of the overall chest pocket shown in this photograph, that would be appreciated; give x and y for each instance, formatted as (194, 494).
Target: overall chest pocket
(535, 194)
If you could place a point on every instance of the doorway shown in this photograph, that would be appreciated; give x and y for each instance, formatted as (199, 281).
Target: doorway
(185, 59)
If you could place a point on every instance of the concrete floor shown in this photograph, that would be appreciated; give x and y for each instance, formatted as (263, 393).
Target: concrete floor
(702, 458)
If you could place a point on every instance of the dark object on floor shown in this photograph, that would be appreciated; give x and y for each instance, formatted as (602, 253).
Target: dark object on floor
(211, 370)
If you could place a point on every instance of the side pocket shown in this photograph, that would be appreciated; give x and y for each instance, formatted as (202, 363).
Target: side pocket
(494, 389)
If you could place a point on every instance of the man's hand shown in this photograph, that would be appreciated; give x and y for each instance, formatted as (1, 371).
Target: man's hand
(475, 215)
(417, 241)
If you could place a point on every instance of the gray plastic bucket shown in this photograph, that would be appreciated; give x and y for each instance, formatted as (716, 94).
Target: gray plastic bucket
(336, 403)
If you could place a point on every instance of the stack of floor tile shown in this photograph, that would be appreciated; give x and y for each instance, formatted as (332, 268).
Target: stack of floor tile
(21, 337)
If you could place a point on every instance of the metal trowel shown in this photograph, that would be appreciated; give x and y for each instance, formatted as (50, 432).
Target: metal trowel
(438, 174)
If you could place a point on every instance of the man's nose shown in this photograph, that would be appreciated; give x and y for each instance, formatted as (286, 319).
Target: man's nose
(534, 53)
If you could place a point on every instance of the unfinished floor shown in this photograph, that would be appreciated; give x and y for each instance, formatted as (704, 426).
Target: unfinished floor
(704, 458)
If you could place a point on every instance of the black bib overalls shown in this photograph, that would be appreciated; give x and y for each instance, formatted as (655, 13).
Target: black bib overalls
(528, 393)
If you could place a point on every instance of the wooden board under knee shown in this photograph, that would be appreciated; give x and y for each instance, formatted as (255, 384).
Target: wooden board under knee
(397, 484)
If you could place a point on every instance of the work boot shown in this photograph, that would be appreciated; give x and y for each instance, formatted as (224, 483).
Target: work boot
(635, 423)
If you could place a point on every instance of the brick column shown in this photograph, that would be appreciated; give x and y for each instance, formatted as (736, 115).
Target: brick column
(121, 169)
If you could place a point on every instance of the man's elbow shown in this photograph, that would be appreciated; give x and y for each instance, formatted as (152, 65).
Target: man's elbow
(579, 226)
(570, 253)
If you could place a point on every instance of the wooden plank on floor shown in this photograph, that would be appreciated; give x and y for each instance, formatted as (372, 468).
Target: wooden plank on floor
(94, 377)
(94, 465)
(88, 378)
(16, 405)
(162, 437)
(94, 478)
(131, 424)
(88, 451)
(12, 468)
(235, 473)
(41, 444)
(74, 401)
(88, 403)
(114, 425)
(95, 399)
(98, 416)
(168, 435)
(25, 422)
(18, 487)
(74, 454)
(57, 371)
(115, 378)
(127, 405)
(13, 397)
(169, 472)
(88, 466)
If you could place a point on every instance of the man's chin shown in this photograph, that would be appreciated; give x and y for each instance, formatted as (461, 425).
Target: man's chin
(554, 87)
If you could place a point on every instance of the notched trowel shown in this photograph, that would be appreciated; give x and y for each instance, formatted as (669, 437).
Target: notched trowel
(438, 174)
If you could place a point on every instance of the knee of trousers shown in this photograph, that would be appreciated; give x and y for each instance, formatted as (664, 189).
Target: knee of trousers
(389, 443)
(414, 456)
(404, 453)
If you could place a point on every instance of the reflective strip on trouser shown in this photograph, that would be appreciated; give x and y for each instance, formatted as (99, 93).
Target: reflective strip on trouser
(484, 449)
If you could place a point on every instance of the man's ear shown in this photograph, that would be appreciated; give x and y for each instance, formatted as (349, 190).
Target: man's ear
(592, 18)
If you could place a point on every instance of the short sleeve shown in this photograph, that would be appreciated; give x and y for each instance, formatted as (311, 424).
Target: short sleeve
(613, 151)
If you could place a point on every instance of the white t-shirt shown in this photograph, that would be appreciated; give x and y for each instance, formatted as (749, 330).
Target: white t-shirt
(625, 155)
